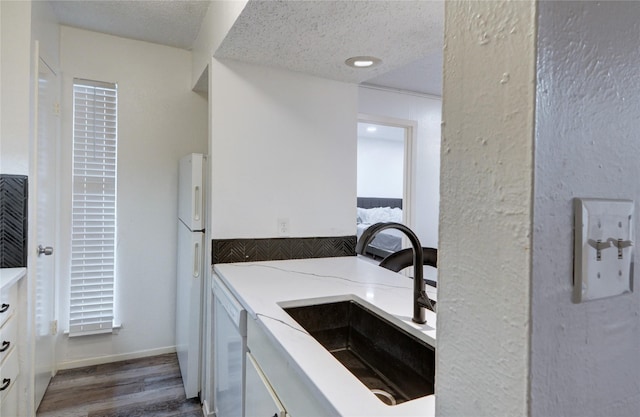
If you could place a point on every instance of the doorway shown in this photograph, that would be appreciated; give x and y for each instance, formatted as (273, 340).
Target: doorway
(384, 180)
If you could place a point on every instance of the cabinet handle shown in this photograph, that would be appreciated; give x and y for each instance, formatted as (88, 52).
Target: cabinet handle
(4, 308)
(5, 384)
(5, 346)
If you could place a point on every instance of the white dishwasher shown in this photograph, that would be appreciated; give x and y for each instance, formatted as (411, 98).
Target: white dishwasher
(230, 346)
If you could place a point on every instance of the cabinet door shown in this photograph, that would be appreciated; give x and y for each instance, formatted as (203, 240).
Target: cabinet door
(8, 303)
(260, 399)
(9, 402)
(8, 338)
(9, 372)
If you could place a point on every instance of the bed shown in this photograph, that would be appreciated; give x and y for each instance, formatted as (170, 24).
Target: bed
(373, 210)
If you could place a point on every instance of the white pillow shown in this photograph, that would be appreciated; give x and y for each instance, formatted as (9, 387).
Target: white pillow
(363, 216)
(379, 214)
(395, 215)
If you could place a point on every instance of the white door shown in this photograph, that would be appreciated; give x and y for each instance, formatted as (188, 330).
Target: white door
(47, 115)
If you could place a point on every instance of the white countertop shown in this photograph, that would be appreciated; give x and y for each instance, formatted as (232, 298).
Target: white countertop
(265, 287)
(8, 276)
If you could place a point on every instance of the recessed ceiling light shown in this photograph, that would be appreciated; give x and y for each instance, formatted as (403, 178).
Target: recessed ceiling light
(363, 61)
(371, 129)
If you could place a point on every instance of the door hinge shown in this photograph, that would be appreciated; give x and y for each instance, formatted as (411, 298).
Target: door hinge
(54, 327)
(56, 108)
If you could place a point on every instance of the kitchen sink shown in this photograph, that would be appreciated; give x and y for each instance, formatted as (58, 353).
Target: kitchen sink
(395, 365)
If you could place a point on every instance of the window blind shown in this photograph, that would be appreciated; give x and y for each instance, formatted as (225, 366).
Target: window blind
(93, 262)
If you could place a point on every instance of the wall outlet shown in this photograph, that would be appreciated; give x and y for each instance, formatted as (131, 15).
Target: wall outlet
(603, 259)
(54, 328)
(283, 226)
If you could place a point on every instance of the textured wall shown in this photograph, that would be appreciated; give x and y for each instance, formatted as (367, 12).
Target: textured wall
(485, 209)
(584, 356)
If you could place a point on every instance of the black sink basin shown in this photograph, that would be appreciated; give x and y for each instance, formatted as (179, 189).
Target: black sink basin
(381, 355)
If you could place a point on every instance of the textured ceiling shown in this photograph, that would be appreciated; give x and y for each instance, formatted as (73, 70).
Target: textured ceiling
(316, 37)
(173, 23)
(423, 76)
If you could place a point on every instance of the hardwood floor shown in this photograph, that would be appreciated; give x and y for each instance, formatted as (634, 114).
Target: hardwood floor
(142, 387)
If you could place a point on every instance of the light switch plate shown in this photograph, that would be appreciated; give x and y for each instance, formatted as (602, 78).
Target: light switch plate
(604, 247)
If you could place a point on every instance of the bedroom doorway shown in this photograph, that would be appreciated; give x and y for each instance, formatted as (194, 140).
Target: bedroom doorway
(384, 169)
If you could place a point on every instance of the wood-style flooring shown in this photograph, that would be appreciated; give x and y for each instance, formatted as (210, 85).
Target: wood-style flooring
(141, 387)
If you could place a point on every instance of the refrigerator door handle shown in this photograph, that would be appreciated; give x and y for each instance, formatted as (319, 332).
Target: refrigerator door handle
(196, 260)
(196, 203)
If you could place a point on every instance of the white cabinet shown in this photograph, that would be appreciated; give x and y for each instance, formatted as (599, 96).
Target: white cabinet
(9, 405)
(260, 399)
(8, 337)
(8, 381)
(9, 353)
(8, 303)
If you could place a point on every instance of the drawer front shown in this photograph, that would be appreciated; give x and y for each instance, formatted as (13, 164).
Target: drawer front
(8, 374)
(8, 337)
(8, 303)
(9, 402)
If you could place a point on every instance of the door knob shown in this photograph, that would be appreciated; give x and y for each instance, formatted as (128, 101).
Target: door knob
(45, 250)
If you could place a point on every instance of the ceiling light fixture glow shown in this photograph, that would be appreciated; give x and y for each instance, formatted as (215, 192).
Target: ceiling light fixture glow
(363, 64)
(371, 129)
(363, 61)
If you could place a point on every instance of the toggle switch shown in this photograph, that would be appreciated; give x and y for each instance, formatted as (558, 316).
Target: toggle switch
(603, 240)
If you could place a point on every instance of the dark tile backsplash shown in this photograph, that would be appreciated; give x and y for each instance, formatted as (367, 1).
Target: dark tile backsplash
(13, 220)
(273, 249)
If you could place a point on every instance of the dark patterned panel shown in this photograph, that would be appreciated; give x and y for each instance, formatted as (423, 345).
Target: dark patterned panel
(13, 221)
(252, 250)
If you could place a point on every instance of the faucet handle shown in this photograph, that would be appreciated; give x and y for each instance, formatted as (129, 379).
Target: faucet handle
(425, 301)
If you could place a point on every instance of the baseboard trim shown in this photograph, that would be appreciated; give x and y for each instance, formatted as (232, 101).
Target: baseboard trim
(206, 409)
(115, 358)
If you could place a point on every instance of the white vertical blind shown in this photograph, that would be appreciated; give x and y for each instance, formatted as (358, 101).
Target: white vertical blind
(93, 262)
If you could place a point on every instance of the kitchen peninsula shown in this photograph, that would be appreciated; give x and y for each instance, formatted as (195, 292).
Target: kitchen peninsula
(306, 378)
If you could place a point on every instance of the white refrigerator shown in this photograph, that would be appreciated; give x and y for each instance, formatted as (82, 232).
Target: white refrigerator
(190, 270)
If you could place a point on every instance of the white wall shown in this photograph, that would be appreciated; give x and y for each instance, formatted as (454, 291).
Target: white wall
(283, 145)
(220, 17)
(380, 167)
(584, 357)
(45, 30)
(15, 81)
(426, 111)
(486, 199)
(160, 120)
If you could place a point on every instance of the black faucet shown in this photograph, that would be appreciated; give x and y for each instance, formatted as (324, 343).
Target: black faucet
(420, 298)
